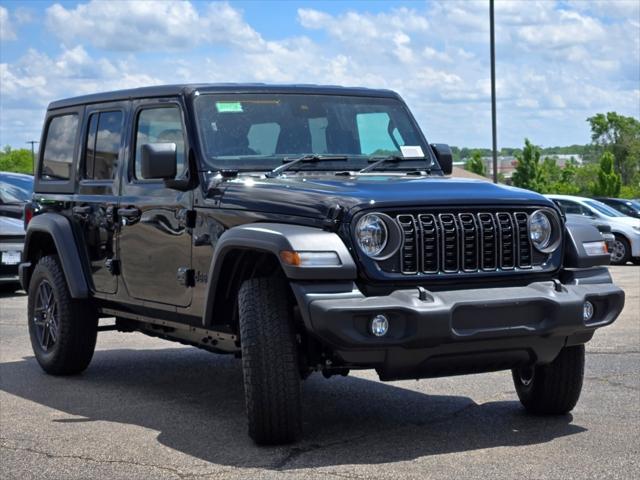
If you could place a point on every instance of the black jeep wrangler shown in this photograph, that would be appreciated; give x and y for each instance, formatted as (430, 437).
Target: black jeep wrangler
(303, 229)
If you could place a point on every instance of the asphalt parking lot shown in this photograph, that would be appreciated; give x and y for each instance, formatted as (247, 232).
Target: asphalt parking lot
(146, 408)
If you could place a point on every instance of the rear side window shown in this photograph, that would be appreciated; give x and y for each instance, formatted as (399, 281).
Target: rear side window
(160, 125)
(57, 158)
(103, 145)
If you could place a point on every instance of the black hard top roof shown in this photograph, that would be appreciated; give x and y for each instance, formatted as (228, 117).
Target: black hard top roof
(188, 89)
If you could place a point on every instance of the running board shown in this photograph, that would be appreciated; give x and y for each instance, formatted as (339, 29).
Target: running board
(218, 342)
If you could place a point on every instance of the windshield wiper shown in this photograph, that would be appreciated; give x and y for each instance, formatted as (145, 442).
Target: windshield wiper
(389, 159)
(309, 157)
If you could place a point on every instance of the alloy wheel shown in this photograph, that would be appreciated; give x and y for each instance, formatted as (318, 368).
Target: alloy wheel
(619, 251)
(46, 316)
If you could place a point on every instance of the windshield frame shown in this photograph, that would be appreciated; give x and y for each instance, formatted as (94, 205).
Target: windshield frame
(269, 162)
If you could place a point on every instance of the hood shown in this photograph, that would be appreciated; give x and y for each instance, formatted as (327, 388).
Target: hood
(314, 195)
(11, 226)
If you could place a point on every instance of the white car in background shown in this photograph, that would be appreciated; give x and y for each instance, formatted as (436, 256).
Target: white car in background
(626, 229)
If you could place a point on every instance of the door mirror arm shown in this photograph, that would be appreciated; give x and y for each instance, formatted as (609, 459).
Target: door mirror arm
(189, 178)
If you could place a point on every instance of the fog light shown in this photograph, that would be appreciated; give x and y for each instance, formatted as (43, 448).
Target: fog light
(379, 325)
(587, 311)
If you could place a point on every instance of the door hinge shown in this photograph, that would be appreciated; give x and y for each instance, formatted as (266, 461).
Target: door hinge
(186, 277)
(112, 265)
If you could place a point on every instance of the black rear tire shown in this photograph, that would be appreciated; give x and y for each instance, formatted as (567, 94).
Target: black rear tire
(63, 332)
(270, 361)
(552, 389)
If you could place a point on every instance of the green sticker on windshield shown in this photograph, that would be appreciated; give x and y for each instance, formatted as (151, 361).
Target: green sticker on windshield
(224, 107)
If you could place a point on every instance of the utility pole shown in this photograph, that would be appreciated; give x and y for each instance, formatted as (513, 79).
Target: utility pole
(493, 93)
(33, 155)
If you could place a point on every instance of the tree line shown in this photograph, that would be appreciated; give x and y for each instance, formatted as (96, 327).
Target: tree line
(610, 164)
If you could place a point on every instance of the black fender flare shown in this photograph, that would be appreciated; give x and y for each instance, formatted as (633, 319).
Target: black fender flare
(59, 229)
(274, 238)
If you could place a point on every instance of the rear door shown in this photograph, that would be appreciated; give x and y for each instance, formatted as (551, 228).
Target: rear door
(154, 241)
(95, 204)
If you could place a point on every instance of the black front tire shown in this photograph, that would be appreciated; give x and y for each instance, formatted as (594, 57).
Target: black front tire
(552, 389)
(63, 335)
(270, 361)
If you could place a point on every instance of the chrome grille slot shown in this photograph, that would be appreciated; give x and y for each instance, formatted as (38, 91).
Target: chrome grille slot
(469, 244)
(409, 250)
(489, 241)
(524, 243)
(450, 242)
(507, 241)
(429, 227)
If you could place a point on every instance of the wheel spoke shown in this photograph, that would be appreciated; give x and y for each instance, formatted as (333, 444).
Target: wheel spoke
(45, 337)
(42, 296)
(53, 333)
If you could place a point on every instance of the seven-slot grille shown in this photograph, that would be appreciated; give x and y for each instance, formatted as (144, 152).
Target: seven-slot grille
(464, 242)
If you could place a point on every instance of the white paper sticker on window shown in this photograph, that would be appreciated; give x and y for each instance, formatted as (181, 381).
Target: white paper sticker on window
(412, 151)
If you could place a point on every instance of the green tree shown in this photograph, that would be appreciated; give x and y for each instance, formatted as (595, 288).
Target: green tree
(619, 135)
(528, 173)
(609, 182)
(475, 164)
(15, 160)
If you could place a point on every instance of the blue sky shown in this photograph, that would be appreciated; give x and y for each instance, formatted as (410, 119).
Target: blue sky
(558, 62)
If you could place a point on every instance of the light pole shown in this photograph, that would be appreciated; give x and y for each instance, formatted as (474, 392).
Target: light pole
(33, 155)
(493, 94)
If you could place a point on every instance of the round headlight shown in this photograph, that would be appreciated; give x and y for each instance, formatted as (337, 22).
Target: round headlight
(372, 234)
(540, 230)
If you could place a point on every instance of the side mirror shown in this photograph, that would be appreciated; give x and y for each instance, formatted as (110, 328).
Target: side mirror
(444, 157)
(158, 161)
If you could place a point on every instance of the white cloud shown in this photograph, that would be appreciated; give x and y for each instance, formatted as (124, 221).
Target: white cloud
(144, 25)
(570, 28)
(6, 29)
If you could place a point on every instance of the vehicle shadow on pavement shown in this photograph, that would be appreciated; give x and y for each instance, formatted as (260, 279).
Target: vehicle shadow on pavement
(195, 401)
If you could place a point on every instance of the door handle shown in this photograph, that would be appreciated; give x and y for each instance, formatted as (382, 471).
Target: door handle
(129, 215)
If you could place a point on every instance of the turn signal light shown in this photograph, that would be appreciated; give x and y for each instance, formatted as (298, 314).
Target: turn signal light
(310, 259)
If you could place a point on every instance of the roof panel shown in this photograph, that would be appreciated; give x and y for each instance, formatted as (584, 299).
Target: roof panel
(187, 89)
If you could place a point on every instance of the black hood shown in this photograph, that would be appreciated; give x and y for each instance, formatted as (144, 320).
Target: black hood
(313, 195)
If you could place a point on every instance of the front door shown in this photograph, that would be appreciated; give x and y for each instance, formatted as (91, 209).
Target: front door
(154, 242)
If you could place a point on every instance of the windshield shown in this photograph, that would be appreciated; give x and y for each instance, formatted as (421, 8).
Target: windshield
(604, 209)
(15, 190)
(259, 131)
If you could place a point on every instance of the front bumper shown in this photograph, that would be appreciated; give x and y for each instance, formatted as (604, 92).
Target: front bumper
(458, 331)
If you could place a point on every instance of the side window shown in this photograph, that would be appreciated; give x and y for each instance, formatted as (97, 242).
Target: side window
(375, 139)
(103, 145)
(57, 158)
(160, 125)
(263, 138)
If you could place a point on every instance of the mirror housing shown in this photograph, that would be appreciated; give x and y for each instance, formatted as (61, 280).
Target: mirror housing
(158, 161)
(444, 157)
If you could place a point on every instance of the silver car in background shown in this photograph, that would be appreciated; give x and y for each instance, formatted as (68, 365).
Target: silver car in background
(625, 229)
